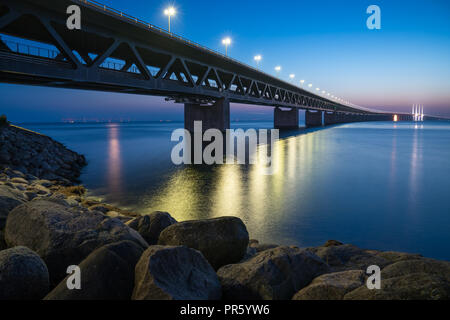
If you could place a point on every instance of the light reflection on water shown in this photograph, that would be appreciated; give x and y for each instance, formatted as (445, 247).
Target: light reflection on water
(377, 185)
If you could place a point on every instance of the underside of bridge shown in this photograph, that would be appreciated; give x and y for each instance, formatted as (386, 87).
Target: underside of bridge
(118, 53)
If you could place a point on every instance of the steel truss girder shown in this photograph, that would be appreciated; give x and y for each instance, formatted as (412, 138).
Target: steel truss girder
(92, 76)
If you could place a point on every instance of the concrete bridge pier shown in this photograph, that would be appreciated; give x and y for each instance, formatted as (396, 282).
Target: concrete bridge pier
(313, 119)
(286, 119)
(329, 118)
(216, 116)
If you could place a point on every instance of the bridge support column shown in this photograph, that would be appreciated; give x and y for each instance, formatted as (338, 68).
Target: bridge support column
(329, 118)
(216, 116)
(286, 119)
(313, 119)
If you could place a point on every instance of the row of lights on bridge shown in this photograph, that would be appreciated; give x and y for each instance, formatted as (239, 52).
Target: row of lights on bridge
(171, 11)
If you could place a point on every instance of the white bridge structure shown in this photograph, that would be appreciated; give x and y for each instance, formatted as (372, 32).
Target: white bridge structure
(417, 113)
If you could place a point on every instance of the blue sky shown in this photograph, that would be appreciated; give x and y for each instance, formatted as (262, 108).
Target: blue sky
(323, 42)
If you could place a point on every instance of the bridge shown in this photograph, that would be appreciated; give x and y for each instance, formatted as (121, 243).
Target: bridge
(116, 52)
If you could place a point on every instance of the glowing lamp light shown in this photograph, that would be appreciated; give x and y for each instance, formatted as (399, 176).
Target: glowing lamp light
(226, 42)
(170, 12)
(395, 118)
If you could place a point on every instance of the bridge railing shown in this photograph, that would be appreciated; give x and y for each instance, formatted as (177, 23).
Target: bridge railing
(30, 50)
(132, 19)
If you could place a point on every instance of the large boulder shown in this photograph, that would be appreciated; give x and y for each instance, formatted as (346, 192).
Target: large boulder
(222, 240)
(414, 286)
(412, 279)
(150, 226)
(273, 274)
(348, 257)
(9, 199)
(23, 275)
(106, 274)
(429, 266)
(63, 235)
(332, 286)
(2, 241)
(175, 273)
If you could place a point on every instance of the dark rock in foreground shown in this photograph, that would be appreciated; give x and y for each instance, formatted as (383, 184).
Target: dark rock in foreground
(63, 235)
(274, 274)
(23, 275)
(9, 199)
(107, 274)
(175, 273)
(331, 286)
(348, 257)
(411, 279)
(222, 240)
(150, 226)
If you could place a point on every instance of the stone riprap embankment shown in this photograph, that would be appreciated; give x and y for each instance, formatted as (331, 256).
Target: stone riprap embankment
(47, 226)
(38, 155)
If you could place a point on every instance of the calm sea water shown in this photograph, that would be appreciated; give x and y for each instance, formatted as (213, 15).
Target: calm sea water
(377, 185)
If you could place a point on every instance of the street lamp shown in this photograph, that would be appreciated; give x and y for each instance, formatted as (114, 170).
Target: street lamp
(169, 12)
(226, 42)
(278, 69)
(310, 85)
(257, 58)
(292, 76)
(302, 82)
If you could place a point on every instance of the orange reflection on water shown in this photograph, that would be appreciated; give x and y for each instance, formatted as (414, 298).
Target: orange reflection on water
(114, 160)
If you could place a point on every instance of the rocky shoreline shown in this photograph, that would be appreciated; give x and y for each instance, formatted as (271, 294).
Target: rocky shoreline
(47, 223)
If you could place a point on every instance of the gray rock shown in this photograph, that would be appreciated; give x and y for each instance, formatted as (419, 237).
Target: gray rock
(332, 243)
(428, 266)
(150, 226)
(44, 183)
(30, 195)
(63, 235)
(410, 279)
(273, 274)
(332, 286)
(19, 181)
(222, 240)
(9, 199)
(348, 257)
(263, 246)
(3, 245)
(39, 189)
(175, 273)
(393, 256)
(106, 274)
(414, 286)
(103, 208)
(23, 275)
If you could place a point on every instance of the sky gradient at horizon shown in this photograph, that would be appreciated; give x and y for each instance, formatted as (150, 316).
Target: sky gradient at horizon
(323, 42)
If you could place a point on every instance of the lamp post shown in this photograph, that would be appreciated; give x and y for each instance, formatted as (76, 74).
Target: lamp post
(277, 70)
(258, 59)
(302, 82)
(169, 12)
(226, 42)
(292, 76)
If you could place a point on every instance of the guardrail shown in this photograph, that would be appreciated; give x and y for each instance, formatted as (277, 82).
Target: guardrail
(35, 51)
(29, 49)
(124, 16)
